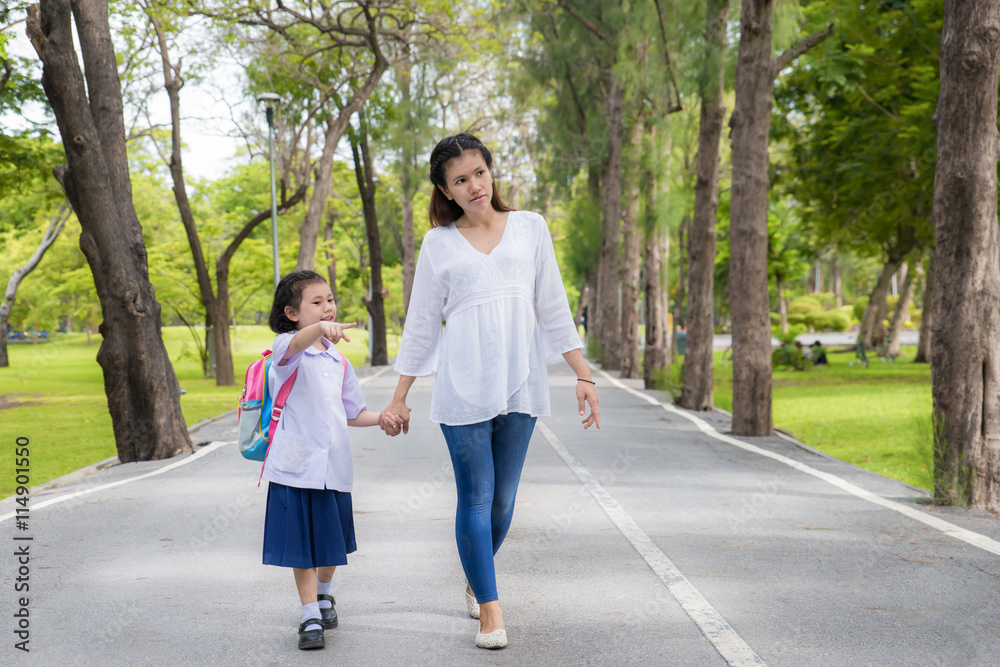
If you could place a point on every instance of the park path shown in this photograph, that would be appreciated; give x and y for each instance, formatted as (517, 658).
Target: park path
(655, 541)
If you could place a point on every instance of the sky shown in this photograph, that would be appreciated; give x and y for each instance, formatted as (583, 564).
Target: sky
(207, 127)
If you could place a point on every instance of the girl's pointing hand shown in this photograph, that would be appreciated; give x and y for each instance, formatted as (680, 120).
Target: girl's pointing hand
(334, 331)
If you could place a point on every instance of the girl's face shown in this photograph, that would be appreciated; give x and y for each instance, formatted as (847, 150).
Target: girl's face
(468, 182)
(317, 304)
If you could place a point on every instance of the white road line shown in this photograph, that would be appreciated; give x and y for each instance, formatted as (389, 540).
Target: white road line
(715, 628)
(211, 447)
(970, 537)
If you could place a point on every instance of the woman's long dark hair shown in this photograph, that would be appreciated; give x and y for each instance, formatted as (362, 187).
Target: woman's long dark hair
(444, 211)
(289, 293)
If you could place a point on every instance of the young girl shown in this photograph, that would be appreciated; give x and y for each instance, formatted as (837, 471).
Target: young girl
(491, 273)
(308, 525)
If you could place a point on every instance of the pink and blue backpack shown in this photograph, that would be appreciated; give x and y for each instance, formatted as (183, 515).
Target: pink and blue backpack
(258, 412)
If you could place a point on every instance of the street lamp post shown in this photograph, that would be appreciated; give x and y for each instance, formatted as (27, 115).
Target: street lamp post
(270, 100)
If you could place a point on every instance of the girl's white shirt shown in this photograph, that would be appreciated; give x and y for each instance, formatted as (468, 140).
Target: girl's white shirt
(311, 448)
(506, 315)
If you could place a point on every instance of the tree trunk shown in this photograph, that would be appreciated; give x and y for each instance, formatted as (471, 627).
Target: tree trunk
(335, 128)
(331, 255)
(782, 304)
(697, 393)
(966, 338)
(632, 258)
(408, 182)
(838, 287)
(749, 303)
(609, 265)
(926, 314)
(679, 300)
(56, 224)
(875, 312)
(141, 387)
(366, 187)
(899, 316)
(748, 294)
(656, 356)
(172, 83)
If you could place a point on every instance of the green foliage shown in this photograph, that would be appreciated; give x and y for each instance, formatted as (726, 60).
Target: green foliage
(796, 318)
(854, 118)
(804, 305)
(775, 318)
(789, 357)
(859, 306)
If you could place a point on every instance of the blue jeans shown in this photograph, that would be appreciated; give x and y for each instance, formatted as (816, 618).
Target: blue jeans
(487, 458)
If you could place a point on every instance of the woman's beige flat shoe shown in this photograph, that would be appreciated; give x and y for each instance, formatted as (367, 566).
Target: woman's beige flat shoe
(471, 604)
(492, 640)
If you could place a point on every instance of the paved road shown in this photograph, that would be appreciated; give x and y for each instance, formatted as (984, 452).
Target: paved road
(657, 541)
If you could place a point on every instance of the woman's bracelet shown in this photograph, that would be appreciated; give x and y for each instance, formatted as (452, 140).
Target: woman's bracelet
(590, 381)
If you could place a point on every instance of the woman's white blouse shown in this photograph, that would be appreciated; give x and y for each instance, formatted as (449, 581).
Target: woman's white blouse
(311, 448)
(506, 315)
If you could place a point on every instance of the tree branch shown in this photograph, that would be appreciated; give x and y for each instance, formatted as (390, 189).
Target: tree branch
(786, 58)
(584, 22)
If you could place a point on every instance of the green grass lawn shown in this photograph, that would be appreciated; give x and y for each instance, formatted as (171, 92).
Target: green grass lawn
(878, 417)
(53, 393)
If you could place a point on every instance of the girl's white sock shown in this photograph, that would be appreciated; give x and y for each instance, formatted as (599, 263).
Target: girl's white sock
(311, 610)
(324, 589)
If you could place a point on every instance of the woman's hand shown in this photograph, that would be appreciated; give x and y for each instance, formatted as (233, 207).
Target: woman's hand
(587, 393)
(334, 331)
(395, 417)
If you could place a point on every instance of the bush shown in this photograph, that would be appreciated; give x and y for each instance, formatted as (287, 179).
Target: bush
(837, 321)
(796, 318)
(848, 313)
(789, 356)
(826, 300)
(803, 305)
(775, 318)
(793, 333)
(816, 320)
(859, 306)
(915, 315)
(890, 303)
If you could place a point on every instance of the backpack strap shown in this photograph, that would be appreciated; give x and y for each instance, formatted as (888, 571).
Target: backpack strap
(279, 405)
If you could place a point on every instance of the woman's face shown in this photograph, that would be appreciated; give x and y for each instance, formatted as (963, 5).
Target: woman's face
(468, 182)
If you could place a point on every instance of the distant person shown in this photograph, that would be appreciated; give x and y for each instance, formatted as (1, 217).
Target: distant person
(806, 352)
(490, 273)
(308, 521)
(818, 354)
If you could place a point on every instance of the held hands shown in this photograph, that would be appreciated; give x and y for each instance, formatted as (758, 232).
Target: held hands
(395, 418)
(334, 331)
(587, 393)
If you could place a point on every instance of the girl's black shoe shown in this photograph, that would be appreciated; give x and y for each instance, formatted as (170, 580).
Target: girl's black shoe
(329, 613)
(309, 639)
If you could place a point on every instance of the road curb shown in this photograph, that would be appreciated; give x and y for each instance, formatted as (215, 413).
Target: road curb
(102, 465)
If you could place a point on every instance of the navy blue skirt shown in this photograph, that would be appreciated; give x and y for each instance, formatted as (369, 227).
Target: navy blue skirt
(306, 528)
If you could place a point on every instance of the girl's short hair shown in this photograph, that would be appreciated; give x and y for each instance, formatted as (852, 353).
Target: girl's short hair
(289, 293)
(444, 211)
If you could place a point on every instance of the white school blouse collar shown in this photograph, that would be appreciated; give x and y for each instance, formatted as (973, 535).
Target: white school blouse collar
(331, 349)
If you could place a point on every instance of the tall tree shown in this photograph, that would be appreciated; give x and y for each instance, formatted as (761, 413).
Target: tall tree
(366, 187)
(56, 224)
(656, 354)
(900, 314)
(139, 380)
(698, 375)
(927, 313)
(749, 303)
(965, 366)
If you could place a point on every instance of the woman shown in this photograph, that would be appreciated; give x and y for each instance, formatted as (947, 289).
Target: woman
(490, 272)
